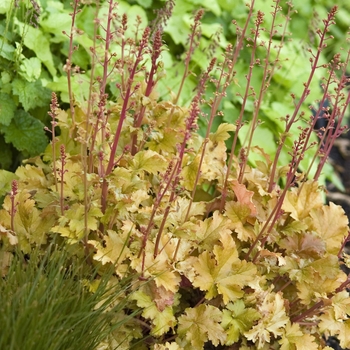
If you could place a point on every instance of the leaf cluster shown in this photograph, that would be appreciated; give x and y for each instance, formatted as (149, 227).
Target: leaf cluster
(24, 66)
(205, 283)
(221, 247)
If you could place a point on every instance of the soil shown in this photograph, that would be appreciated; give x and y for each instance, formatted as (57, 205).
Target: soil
(340, 159)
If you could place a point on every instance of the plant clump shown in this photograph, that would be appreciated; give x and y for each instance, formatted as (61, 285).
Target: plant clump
(225, 245)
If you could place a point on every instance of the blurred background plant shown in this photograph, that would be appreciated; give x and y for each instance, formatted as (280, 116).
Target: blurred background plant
(29, 72)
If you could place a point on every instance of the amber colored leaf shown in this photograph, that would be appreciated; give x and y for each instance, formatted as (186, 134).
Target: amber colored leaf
(188, 230)
(167, 346)
(73, 184)
(38, 179)
(331, 224)
(343, 335)
(238, 213)
(210, 230)
(273, 259)
(180, 214)
(341, 305)
(244, 196)
(305, 245)
(162, 297)
(299, 204)
(295, 339)
(330, 325)
(214, 162)
(159, 268)
(11, 236)
(31, 225)
(200, 324)
(113, 249)
(273, 322)
(224, 273)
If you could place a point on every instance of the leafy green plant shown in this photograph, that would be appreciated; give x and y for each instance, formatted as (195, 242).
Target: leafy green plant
(237, 248)
(23, 98)
(29, 72)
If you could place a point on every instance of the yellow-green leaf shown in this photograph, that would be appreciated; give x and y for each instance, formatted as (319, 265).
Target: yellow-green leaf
(162, 320)
(149, 161)
(200, 324)
(238, 319)
(299, 204)
(113, 249)
(221, 133)
(224, 273)
(295, 339)
(331, 224)
(272, 324)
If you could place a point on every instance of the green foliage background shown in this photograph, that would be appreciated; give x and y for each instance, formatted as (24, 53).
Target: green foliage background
(33, 51)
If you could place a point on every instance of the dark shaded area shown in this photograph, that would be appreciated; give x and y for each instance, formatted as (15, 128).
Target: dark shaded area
(340, 159)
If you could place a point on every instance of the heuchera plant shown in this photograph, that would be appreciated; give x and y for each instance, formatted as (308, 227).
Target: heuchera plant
(222, 250)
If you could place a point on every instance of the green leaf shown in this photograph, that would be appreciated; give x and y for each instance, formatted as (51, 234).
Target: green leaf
(178, 27)
(6, 178)
(5, 6)
(5, 78)
(6, 50)
(132, 12)
(30, 69)
(5, 154)
(26, 133)
(7, 109)
(31, 94)
(35, 40)
(145, 3)
(208, 4)
(55, 23)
